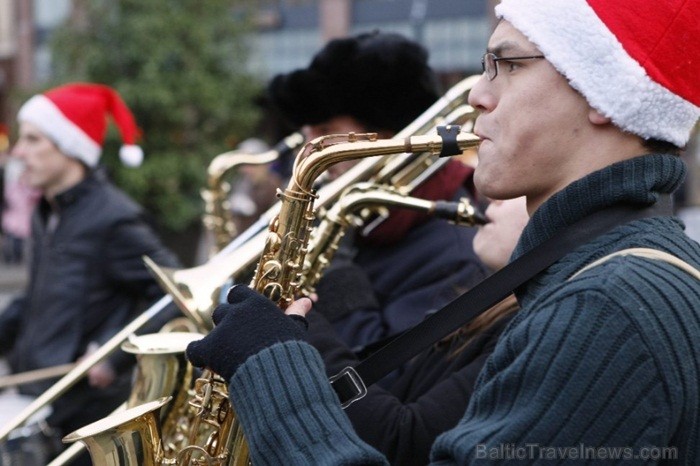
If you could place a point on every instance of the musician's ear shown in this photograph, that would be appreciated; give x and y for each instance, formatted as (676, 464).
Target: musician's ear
(597, 118)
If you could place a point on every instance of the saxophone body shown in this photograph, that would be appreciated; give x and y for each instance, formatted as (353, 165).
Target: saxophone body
(214, 434)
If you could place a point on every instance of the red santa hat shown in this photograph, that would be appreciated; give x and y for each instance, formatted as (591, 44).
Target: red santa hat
(74, 117)
(635, 61)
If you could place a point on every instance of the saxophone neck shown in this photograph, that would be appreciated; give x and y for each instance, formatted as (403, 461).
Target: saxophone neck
(279, 272)
(315, 158)
(218, 217)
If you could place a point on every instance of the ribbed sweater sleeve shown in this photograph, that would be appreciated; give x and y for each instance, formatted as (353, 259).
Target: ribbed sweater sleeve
(290, 413)
(577, 372)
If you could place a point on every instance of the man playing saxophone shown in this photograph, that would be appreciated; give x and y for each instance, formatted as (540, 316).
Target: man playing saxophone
(584, 106)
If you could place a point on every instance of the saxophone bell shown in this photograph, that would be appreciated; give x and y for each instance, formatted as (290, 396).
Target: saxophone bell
(162, 368)
(127, 438)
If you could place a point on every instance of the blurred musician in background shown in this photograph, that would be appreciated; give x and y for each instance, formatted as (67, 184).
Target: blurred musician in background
(87, 276)
(585, 106)
(387, 281)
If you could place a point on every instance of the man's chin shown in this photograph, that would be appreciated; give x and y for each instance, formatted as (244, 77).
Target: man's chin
(493, 191)
(484, 182)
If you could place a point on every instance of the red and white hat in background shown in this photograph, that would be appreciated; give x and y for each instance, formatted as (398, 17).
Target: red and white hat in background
(74, 117)
(4, 138)
(635, 61)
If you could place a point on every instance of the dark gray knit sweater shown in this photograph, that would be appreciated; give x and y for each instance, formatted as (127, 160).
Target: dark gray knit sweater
(603, 368)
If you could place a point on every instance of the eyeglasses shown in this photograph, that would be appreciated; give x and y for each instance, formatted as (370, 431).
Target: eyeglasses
(489, 63)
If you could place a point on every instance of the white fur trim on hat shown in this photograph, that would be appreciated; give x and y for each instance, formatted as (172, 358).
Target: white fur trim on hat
(580, 46)
(131, 155)
(68, 137)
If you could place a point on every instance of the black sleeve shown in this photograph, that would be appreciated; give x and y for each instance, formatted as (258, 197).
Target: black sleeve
(405, 432)
(321, 335)
(129, 242)
(9, 323)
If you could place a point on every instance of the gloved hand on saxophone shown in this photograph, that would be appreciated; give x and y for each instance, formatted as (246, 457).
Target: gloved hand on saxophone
(246, 325)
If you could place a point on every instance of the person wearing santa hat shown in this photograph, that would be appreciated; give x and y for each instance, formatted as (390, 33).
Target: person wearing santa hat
(584, 108)
(87, 278)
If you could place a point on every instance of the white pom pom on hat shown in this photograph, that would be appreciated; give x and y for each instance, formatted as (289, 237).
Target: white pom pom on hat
(635, 61)
(131, 155)
(74, 117)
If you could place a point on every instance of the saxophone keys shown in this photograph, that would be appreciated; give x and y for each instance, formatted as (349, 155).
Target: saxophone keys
(273, 242)
(273, 291)
(271, 270)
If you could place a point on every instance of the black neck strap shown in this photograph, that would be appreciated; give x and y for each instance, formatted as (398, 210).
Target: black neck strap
(352, 382)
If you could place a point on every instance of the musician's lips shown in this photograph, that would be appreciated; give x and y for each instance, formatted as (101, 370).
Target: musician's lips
(481, 136)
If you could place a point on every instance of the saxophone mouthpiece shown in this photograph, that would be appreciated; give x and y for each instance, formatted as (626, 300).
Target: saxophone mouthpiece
(461, 212)
(480, 218)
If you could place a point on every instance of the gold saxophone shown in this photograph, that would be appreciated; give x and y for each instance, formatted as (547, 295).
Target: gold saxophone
(196, 290)
(214, 433)
(359, 202)
(218, 216)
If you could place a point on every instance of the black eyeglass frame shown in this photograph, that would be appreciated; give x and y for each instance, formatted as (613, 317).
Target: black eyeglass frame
(495, 58)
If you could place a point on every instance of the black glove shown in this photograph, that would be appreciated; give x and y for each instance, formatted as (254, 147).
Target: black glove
(343, 290)
(244, 327)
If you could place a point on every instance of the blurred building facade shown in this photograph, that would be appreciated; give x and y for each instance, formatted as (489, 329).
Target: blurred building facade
(287, 33)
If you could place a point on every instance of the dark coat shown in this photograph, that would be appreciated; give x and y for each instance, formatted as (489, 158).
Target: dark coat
(87, 281)
(387, 286)
(429, 267)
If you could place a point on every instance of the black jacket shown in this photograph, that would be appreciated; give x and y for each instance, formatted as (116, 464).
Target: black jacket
(87, 279)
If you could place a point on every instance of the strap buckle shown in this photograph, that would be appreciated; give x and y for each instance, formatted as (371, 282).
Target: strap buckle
(349, 386)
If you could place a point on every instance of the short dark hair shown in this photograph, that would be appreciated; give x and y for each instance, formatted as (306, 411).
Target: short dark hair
(660, 146)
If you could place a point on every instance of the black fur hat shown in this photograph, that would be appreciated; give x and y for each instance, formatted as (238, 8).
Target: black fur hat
(381, 79)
